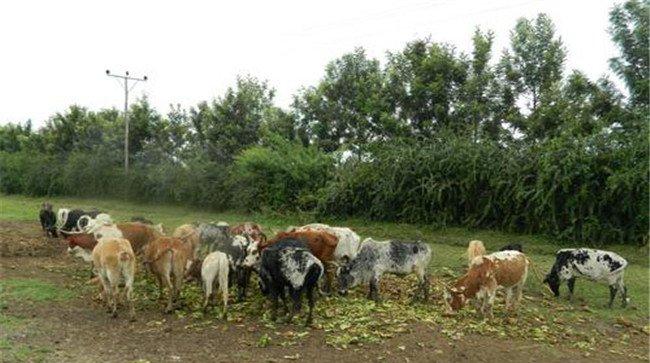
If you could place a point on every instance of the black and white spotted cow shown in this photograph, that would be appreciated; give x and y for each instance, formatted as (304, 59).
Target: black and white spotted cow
(595, 265)
(378, 257)
(289, 267)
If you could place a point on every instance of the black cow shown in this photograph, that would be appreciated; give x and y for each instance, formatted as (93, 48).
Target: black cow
(48, 220)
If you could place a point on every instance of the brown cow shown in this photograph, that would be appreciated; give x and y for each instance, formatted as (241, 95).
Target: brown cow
(114, 261)
(166, 258)
(138, 234)
(321, 244)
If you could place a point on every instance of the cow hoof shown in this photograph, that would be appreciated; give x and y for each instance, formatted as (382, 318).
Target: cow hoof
(114, 315)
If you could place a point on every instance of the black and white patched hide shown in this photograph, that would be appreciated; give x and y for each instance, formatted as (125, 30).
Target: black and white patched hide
(596, 265)
(70, 224)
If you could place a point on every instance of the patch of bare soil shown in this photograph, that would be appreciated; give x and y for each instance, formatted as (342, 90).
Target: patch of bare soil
(80, 330)
(27, 239)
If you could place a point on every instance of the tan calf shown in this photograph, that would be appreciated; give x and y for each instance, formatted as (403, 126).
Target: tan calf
(188, 234)
(114, 261)
(166, 258)
(506, 269)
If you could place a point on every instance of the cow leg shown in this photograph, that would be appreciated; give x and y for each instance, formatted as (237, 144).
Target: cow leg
(224, 295)
(623, 288)
(128, 289)
(295, 297)
(374, 290)
(274, 303)
(115, 293)
(518, 293)
(310, 301)
(329, 274)
(170, 295)
(612, 295)
(488, 301)
(106, 284)
(570, 284)
(425, 287)
(161, 294)
(207, 289)
(241, 276)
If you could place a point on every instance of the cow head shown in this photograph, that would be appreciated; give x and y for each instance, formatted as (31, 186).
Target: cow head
(252, 259)
(454, 298)
(553, 281)
(193, 270)
(346, 279)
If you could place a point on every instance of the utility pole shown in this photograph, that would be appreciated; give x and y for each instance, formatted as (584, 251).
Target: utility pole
(125, 81)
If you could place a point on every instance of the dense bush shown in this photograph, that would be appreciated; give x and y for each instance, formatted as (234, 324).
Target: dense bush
(283, 175)
(592, 189)
(29, 173)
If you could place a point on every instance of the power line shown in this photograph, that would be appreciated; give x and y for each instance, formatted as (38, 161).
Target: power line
(125, 82)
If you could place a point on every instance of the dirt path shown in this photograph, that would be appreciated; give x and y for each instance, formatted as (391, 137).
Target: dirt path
(79, 329)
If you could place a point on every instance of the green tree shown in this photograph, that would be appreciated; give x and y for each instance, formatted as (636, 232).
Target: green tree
(347, 106)
(231, 123)
(629, 31)
(479, 101)
(533, 70)
(77, 129)
(424, 82)
(15, 137)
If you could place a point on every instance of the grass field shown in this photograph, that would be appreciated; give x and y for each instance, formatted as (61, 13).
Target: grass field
(539, 311)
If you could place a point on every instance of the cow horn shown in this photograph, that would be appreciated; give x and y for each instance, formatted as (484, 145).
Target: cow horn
(86, 217)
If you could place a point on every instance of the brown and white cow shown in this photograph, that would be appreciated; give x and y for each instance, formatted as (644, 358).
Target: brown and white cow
(250, 229)
(505, 269)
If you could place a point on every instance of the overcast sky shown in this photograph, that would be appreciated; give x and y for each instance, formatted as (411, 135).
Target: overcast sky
(54, 53)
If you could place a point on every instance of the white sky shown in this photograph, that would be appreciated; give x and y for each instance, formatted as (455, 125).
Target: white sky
(54, 53)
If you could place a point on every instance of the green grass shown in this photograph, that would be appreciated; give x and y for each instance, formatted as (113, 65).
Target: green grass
(32, 290)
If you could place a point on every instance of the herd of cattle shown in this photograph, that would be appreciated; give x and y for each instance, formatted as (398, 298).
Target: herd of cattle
(295, 261)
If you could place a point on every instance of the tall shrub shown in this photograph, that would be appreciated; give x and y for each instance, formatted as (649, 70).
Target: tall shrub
(282, 175)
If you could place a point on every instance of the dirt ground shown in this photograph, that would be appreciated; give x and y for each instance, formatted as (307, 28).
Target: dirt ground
(79, 329)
